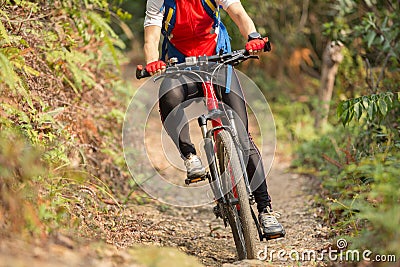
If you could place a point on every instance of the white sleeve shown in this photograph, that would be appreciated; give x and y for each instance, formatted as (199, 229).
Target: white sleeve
(226, 3)
(154, 13)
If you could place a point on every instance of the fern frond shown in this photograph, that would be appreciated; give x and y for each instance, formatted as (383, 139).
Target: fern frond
(75, 61)
(23, 89)
(4, 14)
(101, 26)
(76, 90)
(4, 34)
(7, 74)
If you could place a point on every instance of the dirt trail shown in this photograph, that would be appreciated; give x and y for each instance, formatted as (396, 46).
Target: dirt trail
(197, 232)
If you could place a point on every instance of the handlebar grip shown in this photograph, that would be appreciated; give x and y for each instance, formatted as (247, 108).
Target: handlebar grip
(267, 46)
(141, 72)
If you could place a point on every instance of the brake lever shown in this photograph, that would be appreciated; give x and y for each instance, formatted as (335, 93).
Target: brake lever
(252, 56)
(239, 58)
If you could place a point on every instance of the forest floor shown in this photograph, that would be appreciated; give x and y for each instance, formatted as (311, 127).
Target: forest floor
(127, 230)
(194, 231)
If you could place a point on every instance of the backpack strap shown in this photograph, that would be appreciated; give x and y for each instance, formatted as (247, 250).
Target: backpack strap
(168, 24)
(212, 10)
(169, 16)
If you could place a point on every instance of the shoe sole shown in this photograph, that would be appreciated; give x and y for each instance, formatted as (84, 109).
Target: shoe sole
(274, 235)
(197, 174)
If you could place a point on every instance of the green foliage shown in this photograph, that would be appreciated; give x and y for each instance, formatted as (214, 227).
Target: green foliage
(372, 31)
(358, 165)
(351, 76)
(76, 61)
(5, 39)
(380, 206)
(294, 121)
(380, 31)
(131, 12)
(7, 74)
(104, 31)
(359, 184)
(375, 107)
(326, 154)
(366, 201)
(48, 63)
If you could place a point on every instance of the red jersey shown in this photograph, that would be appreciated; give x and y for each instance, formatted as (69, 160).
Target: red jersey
(193, 32)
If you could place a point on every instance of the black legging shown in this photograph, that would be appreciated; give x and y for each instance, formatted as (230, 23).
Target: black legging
(175, 91)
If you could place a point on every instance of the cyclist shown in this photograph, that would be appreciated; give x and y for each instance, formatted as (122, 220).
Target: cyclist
(193, 28)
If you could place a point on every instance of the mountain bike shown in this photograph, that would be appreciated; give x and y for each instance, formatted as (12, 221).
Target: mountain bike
(226, 164)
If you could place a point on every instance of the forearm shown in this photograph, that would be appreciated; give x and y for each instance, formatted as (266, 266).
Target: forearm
(151, 41)
(241, 19)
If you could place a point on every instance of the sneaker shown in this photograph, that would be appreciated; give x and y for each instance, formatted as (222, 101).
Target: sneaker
(194, 167)
(271, 227)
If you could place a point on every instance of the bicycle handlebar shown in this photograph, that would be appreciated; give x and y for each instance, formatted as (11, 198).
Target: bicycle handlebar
(141, 72)
(232, 58)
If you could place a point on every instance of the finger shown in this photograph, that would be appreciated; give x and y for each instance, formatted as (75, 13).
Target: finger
(151, 68)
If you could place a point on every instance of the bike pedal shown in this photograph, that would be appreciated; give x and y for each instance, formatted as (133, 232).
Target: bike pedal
(274, 236)
(189, 181)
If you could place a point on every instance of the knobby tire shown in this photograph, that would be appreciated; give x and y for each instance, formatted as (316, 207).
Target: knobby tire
(240, 221)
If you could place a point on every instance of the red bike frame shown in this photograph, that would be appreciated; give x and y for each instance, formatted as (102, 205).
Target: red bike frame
(212, 104)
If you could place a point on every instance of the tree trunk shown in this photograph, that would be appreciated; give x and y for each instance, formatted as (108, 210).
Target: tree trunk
(330, 62)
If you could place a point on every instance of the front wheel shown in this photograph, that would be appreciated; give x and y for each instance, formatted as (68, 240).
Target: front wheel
(237, 210)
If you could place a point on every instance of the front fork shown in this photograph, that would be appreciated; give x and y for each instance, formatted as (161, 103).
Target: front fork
(209, 149)
(214, 115)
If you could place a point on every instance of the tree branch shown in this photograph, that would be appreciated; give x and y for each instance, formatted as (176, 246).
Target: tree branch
(304, 15)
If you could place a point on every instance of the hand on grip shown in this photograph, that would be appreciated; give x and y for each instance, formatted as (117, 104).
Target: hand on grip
(257, 45)
(155, 67)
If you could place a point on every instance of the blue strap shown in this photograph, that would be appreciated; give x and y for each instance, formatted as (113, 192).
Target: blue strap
(223, 42)
(224, 45)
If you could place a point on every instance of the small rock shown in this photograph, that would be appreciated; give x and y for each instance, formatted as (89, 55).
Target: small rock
(64, 241)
